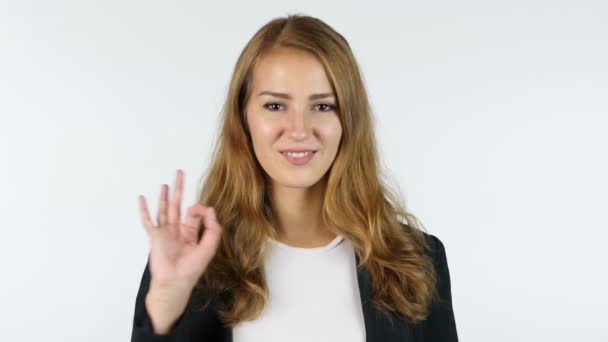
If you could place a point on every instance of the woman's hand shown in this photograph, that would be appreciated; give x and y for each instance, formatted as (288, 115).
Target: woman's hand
(177, 257)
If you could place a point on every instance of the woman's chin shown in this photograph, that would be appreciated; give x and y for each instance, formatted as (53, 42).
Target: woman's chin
(299, 183)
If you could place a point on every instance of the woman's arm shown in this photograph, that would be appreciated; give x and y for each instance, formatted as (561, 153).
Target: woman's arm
(194, 324)
(142, 325)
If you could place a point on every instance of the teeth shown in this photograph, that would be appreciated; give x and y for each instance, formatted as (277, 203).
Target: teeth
(298, 154)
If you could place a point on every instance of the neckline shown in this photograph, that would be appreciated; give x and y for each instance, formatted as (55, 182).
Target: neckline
(329, 246)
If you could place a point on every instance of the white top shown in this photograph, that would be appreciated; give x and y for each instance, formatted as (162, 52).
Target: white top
(313, 296)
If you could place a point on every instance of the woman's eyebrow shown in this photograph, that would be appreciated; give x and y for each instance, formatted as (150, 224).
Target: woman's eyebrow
(288, 97)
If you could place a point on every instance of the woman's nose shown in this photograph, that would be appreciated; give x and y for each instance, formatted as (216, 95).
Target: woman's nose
(298, 124)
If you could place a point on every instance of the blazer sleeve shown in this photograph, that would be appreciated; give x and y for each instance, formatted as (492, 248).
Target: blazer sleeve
(440, 326)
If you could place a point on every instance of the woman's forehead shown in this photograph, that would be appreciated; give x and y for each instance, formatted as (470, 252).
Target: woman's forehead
(290, 71)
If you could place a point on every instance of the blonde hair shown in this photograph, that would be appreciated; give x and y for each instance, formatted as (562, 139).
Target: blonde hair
(356, 203)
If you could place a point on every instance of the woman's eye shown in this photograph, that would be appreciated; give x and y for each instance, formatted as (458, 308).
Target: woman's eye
(327, 106)
(272, 104)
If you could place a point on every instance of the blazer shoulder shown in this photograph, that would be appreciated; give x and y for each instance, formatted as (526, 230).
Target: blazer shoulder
(441, 323)
(434, 244)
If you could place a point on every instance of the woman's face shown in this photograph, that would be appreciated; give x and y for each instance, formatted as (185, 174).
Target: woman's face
(292, 107)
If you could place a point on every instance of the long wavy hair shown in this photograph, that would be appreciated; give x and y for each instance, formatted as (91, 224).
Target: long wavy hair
(357, 203)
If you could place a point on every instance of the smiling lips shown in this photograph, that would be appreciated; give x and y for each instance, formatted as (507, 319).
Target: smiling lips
(300, 157)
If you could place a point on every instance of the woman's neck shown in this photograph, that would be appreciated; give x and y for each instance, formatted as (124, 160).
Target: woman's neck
(298, 212)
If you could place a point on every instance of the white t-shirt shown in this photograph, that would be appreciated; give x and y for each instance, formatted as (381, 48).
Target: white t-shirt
(313, 296)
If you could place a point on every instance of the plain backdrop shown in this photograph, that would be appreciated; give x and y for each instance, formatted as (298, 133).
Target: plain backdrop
(491, 117)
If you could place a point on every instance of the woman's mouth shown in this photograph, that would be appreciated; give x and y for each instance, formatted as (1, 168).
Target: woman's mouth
(299, 158)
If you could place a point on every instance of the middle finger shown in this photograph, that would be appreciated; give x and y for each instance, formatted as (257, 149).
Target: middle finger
(176, 199)
(162, 206)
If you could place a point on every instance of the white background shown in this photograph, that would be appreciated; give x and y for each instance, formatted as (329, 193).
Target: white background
(491, 117)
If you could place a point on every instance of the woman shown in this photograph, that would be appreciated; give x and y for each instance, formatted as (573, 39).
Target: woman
(294, 236)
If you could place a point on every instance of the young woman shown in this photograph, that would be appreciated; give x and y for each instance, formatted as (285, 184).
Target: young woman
(295, 236)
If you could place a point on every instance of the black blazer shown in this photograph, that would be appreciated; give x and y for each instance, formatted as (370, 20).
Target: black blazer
(204, 325)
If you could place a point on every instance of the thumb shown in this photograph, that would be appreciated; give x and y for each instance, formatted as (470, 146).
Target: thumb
(191, 227)
(211, 235)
